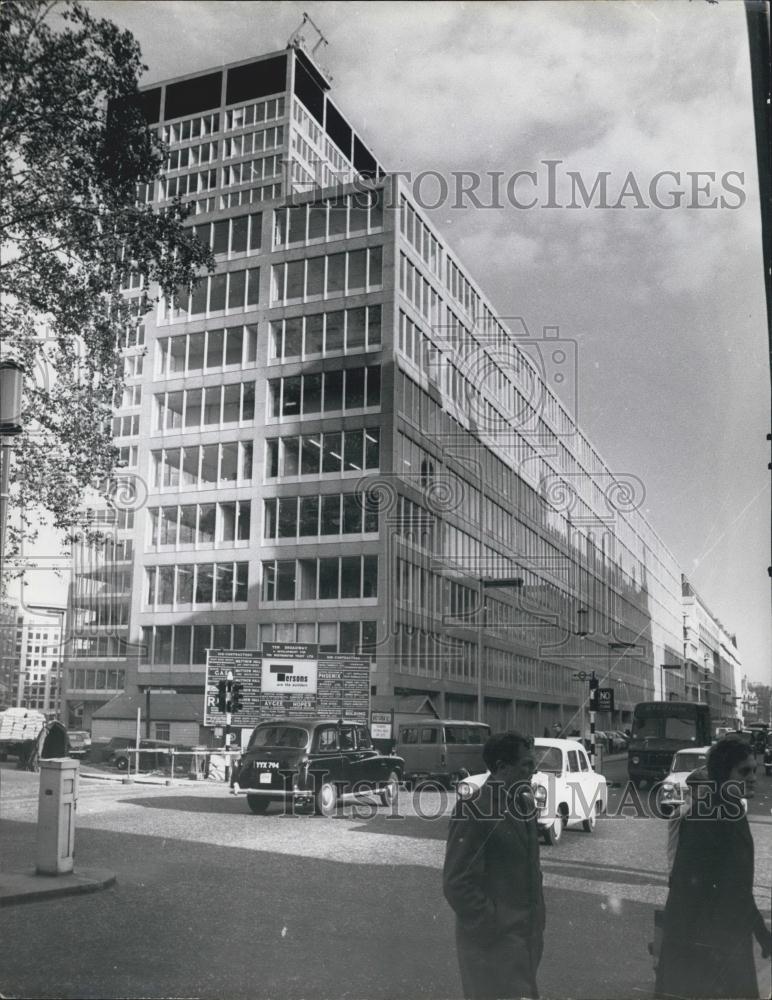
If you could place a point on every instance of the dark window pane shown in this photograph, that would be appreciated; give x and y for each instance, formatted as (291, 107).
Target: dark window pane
(231, 403)
(338, 214)
(244, 518)
(370, 577)
(236, 286)
(204, 583)
(352, 443)
(224, 589)
(220, 237)
(372, 447)
(374, 385)
(312, 449)
(198, 297)
(229, 463)
(328, 579)
(221, 637)
(217, 292)
(315, 276)
(184, 584)
(248, 401)
(317, 221)
(196, 352)
(272, 457)
(295, 277)
(331, 459)
(182, 644)
(293, 337)
(376, 257)
(336, 271)
(239, 636)
(331, 515)
(254, 231)
(373, 325)
(357, 262)
(239, 234)
(371, 520)
(163, 647)
(206, 523)
(333, 391)
(270, 526)
(352, 513)
(201, 642)
(309, 516)
(234, 345)
(291, 396)
(290, 455)
(285, 580)
(349, 637)
(334, 336)
(314, 333)
(288, 515)
(312, 393)
(355, 328)
(214, 348)
(242, 582)
(253, 286)
(355, 388)
(351, 576)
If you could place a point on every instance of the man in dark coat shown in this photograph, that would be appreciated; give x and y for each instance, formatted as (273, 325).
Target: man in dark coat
(492, 876)
(711, 916)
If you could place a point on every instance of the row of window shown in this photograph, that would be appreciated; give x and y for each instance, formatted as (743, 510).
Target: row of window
(191, 128)
(214, 406)
(133, 365)
(192, 156)
(131, 396)
(259, 169)
(311, 516)
(202, 465)
(200, 524)
(163, 645)
(210, 350)
(419, 291)
(418, 234)
(254, 142)
(248, 196)
(236, 290)
(325, 392)
(125, 426)
(343, 330)
(184, 184)
(254, 114)
(320, 579)
(79, 679)
(332, 274)
(335, 218)
(331, 637)
(197, 583)
(331, 451)
(240, 234)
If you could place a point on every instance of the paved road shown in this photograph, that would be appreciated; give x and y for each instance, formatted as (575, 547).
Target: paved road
(212, 901)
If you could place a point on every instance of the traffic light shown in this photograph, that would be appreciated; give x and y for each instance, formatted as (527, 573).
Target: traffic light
(222, 695)
(594, 685)
(236, 695)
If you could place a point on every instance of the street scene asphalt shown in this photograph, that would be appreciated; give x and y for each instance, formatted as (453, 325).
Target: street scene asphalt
(211, 901)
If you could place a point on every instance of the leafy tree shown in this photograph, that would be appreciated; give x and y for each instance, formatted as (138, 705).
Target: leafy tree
(75, 149)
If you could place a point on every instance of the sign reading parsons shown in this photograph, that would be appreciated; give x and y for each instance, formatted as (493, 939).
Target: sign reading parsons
(289, 680)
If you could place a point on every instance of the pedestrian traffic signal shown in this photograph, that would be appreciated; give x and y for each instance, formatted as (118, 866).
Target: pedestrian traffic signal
(236, 704)
(222, 695)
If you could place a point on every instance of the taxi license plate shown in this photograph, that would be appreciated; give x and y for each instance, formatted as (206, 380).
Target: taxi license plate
(265, 778)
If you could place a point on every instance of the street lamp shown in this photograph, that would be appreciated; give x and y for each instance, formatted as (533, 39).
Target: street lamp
(482, 583)
(11, 387)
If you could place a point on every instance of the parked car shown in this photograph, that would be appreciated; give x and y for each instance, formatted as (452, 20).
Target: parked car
(672, 791)
(620, 741)
(152, 755)
(441, 750)
(315, 763)
(566, 789)
(79, 741)
(768, 756)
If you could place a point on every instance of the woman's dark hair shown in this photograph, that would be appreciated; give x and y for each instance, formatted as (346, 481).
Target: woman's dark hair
(724, 755)
(508, 747)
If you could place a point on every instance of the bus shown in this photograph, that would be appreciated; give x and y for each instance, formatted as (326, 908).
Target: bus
(659, 729)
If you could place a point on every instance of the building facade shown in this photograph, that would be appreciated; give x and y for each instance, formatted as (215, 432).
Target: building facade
(36, 677)
(341, 443)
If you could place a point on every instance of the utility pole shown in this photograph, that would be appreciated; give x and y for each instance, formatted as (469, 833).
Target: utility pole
(594, 685)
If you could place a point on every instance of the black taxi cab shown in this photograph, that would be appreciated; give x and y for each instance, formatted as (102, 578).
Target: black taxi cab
(316, 763)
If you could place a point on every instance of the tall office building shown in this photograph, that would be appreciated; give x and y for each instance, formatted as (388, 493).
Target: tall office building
(344, 445)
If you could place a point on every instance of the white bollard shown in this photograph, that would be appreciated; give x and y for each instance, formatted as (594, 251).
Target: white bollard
(56, 816)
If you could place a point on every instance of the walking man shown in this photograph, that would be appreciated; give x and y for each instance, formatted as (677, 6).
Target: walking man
(492, 877)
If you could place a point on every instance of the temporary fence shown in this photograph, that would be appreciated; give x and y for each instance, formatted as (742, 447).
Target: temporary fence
(198, 763)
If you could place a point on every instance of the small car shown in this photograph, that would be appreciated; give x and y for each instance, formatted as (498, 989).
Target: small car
(566, 790)
(79, 741)
(672, 791)
(768, 756)
(153, 754)
(315, 763)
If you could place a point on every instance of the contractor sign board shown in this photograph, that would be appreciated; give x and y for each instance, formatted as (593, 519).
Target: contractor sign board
(289, 680)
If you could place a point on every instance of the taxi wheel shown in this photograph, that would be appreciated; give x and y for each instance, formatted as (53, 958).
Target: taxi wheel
(588, 825)
(390, 790)
(326, 800)
(553, 833)
(257, 804)
(122, 763)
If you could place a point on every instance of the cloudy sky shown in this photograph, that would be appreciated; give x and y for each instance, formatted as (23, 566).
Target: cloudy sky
(665, 305)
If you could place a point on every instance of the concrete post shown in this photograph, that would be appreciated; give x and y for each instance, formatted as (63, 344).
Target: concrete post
(56, 816)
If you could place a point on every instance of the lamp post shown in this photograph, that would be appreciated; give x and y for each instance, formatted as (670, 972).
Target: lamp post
(11, 386)
(482, 583)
